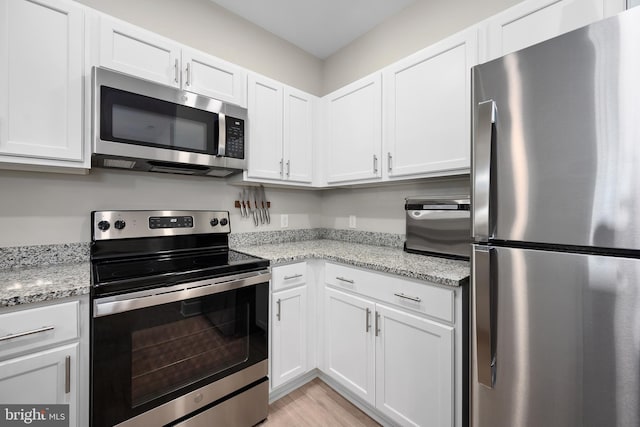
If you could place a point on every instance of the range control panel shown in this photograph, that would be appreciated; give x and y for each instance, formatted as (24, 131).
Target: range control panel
(107, 225)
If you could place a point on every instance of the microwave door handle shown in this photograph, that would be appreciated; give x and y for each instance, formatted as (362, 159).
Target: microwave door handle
(483, 141)
(222, 136)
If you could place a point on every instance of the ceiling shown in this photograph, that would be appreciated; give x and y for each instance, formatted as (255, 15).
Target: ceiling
(320, 27)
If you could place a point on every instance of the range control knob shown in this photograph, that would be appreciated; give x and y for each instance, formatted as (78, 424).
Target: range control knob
(214, 222)
(224, 221)
(119, 224)
(103, 225)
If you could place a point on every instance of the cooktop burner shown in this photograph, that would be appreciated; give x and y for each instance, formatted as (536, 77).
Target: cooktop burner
(143, 256)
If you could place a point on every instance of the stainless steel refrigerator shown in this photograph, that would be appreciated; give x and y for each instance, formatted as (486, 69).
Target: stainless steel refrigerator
(555, 336)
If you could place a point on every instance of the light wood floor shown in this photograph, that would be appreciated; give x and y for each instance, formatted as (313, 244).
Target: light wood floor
(315, 404)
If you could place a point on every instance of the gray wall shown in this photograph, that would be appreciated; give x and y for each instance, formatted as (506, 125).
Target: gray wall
(47, 208)
(204, 25)
(415, 27)
(382, 208)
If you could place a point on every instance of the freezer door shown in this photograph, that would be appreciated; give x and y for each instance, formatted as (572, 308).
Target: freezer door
(555, 339)
(556, 140)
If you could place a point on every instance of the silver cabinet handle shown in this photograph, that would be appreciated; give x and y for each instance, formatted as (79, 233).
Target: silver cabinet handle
(368, 323)
(279, 313)
(484, 315)
(375, 164)
(288, 168)
(281, 167)
(342, 279)
(189, 74)
(24, 334)
(377, 324)
(483, 140)
(295, 276)
(401, 295)
(67, 374)
(176, 71)
(389, 159)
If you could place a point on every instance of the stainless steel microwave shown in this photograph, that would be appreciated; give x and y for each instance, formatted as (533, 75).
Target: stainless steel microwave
(145, 126)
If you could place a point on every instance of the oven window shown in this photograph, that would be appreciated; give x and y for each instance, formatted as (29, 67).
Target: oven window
(213, 336)
(141, 120)
(143, 358)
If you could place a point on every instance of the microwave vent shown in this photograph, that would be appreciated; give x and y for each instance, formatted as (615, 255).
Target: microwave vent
(119, 163)
(220, 173)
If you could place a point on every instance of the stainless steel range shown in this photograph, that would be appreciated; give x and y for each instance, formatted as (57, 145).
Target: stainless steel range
(179, 327)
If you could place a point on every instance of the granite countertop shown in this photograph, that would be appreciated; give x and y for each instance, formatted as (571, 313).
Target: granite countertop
(379, 258)
(36, 284)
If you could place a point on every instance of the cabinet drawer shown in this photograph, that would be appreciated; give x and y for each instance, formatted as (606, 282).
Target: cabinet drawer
(417, 296)
(286, 276)
(38, 327)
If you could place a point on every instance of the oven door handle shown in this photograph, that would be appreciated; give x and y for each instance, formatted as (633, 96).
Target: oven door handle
(162, 295)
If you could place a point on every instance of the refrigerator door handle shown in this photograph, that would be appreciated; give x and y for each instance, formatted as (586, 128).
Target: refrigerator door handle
(485, 321)
(481, 218)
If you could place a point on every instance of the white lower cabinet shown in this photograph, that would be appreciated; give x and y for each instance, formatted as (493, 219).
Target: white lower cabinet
(289, 346)
(44, 357)
(349, 343)
(46, 377)
(291, 351)
(414, 369)
(391, 343)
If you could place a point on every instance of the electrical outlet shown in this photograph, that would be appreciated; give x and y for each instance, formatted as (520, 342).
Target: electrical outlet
(284, 221)
(352, 221)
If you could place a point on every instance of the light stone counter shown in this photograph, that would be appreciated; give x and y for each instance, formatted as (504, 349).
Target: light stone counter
(36, 284)
(378, 258)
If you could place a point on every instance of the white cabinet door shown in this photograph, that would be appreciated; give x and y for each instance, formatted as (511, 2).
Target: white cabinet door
(213, 77)
(265, 128)
(414, 369)
(349, 342)
(427, 97)
(298, 135)
(41, 74)
(289, 345)
(132, 50)
(43, 378)
(534, 21)
(354, 132)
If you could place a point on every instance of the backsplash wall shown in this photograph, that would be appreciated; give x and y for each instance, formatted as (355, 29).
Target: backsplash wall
(48, 208)
(382, 208)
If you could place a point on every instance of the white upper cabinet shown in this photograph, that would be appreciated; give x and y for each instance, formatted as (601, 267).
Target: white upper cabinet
(213, 77)
(280, 132)
(354, 131)
(265, 112)
(141, 53)
(41, 83)
(534, 21)
(132, 50)
(298, 135)
(427, 114)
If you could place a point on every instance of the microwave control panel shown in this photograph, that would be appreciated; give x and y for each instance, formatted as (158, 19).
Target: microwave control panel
(235, 138)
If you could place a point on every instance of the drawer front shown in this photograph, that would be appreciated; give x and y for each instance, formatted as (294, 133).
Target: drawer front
(286, 276)
(421, 297)
(38, 327)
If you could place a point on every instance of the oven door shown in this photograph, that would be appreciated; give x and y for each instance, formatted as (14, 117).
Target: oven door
(147, 357)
